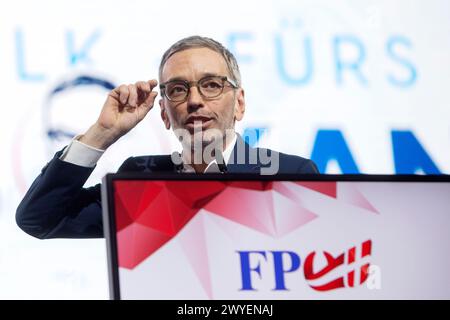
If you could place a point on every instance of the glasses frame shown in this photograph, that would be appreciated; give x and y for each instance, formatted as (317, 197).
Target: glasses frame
(190, 84)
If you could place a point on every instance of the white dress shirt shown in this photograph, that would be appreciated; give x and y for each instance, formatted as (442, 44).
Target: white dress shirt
(84, 155)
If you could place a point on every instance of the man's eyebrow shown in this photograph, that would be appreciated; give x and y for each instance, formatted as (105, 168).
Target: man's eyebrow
(203, 75)
(176, 79)
(209, 74)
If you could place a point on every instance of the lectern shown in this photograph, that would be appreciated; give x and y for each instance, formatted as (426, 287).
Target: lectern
(240, 236)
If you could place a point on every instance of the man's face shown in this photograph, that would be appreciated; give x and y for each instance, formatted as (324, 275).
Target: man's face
(198, 113)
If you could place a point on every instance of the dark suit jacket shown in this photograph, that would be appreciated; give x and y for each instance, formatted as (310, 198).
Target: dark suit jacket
(57, 205)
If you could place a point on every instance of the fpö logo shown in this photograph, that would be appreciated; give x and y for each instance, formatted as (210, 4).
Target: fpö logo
(351, 266)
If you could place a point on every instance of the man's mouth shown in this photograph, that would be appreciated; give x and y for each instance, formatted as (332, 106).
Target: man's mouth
(198, 121)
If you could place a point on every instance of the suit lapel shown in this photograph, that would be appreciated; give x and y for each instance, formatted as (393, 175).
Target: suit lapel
(239, 161)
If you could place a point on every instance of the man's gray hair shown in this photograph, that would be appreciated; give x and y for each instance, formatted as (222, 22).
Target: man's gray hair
(203, 42)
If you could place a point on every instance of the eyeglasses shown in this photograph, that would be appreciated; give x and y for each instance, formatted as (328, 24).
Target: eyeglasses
(209, 87)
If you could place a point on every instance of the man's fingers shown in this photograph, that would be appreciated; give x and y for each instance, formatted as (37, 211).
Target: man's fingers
(132, 99)
(143, 90)
(148, 103)
(145, 107)
(138, 93)
(145, 93)
(153, 83)
(123, 94)
(144, 86)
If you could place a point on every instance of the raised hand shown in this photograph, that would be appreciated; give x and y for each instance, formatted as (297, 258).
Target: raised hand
(124, 108)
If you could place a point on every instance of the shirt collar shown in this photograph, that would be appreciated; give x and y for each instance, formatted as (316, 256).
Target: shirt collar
(213, 166)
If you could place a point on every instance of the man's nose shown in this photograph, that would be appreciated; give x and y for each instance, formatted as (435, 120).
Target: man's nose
(195, 99)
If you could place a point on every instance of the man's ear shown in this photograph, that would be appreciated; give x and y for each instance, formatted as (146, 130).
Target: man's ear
(164, 116)
(239, 105)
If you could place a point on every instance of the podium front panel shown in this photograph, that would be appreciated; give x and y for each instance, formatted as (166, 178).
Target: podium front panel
(287, 237)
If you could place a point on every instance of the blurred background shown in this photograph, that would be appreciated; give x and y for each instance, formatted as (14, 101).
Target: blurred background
(359, 86)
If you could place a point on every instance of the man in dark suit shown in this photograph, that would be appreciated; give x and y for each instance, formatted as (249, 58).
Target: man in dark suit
(201, 99)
